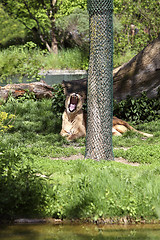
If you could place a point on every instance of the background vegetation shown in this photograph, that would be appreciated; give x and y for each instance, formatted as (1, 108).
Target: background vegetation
(43, 30)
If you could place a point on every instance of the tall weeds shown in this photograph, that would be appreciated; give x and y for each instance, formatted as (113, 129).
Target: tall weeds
(27, 61)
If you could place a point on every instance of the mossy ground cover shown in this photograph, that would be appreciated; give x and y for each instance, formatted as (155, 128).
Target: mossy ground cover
(36, 182)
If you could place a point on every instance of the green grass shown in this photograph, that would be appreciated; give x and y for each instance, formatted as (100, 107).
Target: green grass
(66, 59)
(28, 60)
(119, 59)
(40, 186)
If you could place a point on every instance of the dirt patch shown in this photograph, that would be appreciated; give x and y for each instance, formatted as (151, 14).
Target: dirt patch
(72, 157)
(81, 157)
(124, 161)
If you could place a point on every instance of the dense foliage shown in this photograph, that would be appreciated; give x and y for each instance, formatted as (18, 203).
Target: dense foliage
(33, 183)
(39, 17)
(137, 22)
(140, 23)
(12, 31)
(142, 109)
(21, 61)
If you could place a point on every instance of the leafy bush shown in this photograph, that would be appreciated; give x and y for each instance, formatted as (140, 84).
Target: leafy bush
(58, 102)
(20, 186)
(136, 110)
(20, 61)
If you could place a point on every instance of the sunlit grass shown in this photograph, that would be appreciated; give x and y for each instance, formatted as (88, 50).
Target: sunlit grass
(79, 188)
(66, 59)
(120, 59)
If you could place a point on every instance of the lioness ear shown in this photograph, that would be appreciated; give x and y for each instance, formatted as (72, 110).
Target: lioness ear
(82, 98)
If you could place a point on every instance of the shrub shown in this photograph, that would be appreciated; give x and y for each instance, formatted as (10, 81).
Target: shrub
(20, 186)
(58, 102)
(20, 61)
(136, 110)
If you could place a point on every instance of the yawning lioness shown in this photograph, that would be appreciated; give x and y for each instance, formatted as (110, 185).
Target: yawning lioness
(74, 120)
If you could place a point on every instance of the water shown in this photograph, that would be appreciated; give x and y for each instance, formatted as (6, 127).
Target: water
(79, 232)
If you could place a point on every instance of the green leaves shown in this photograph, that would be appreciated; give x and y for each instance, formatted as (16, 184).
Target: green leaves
(68, 6)
(138, 110)
(10, 28)
(144, 15)
(20, 61)
(58, 102)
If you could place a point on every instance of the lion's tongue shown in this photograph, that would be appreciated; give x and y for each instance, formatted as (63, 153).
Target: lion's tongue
(72, 107)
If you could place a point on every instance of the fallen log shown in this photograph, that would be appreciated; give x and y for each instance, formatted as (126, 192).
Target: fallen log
(40, 89)
(140, 74)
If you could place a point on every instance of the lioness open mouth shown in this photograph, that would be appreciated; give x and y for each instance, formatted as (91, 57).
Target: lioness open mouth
(73, 103)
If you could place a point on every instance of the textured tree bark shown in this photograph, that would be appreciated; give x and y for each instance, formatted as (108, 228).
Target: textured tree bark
(141, 73)
(40, 89)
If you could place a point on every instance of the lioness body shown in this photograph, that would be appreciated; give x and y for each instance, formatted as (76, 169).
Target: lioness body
(120, 126)
(73, 127)
(74, 120)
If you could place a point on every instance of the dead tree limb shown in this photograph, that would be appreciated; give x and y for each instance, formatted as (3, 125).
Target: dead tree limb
(40, 89)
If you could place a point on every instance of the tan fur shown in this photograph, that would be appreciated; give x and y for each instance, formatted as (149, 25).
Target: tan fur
(119, 127)
(74, 123)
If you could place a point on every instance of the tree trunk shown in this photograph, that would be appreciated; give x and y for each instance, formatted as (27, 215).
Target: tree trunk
(54, 45)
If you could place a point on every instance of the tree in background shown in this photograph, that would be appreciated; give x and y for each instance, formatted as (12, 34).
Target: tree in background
(10, 29)
(39, 17)
(140, 20)
(74, 29)
(64, 23)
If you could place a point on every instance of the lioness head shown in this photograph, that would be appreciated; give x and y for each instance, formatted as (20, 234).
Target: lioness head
(73, 103)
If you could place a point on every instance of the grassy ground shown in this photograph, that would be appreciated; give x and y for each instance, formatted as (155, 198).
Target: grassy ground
(37, 181)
